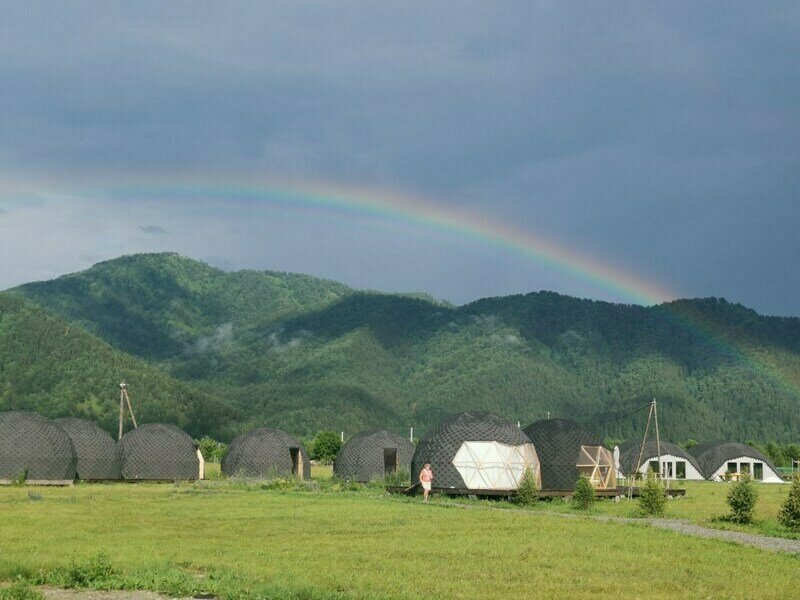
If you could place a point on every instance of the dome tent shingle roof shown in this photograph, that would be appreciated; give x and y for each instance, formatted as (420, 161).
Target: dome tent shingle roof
(34, 445)
(98, 453)
(266, 451)
(362, 456)
(713, 455)
(558, 443)
(629, 455)
(158, 451)
(441, 444)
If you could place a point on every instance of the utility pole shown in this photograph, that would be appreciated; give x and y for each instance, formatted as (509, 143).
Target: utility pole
(124, 400)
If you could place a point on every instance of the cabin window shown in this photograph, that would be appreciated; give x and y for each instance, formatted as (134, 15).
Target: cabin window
(654, 466)
(731, 468)
(680, 469)
(389, 460)
(744, 468)
(758, 471)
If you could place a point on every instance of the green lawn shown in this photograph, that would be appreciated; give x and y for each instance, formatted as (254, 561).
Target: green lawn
(366, 544)
(703, 504)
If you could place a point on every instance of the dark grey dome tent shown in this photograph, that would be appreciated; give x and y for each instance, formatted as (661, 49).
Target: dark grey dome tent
(725, 460)
(476, 451)
(676, 463)
(567, 450)
(264, 452)
(98, 454)
(373, 454)
(34, 447)
(159, 452)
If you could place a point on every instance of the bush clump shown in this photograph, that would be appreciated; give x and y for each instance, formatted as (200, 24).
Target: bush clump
(742, 499)
(653, 499)
(527, 492)
(583, 497)
(402, 476)
(20, 590)
(325, 447)
(789, 515)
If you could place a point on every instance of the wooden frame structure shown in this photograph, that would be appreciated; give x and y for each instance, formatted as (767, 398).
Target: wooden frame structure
(597, 464)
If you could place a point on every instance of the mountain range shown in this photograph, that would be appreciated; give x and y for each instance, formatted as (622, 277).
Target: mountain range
(217, 352)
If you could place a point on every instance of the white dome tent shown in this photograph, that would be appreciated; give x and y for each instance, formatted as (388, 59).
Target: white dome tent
(495, 466)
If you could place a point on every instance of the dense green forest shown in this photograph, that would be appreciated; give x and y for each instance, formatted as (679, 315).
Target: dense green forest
(307, 354)
(60, 370)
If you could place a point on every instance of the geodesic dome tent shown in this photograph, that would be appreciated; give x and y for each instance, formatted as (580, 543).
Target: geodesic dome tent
(476, 451)
(159, 452)
(722, 460)
(567, 450)
(373, 454)
(676, 463)
(264, 452)
(98, 454)
(35, 447)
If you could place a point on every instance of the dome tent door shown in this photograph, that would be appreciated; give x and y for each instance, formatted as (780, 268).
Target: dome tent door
(389, 460)
(297, 462)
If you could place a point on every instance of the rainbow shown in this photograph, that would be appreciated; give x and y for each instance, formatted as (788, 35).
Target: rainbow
(421, 213)
(337, 200)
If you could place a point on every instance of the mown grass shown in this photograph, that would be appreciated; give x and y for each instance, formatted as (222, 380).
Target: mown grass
(704, 504)
(249, 539)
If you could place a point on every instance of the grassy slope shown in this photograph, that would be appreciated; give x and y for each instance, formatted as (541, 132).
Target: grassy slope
(367, 545)
(307, 354)
(63, 371)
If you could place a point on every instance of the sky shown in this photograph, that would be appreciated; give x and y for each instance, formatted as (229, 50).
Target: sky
(660, 141)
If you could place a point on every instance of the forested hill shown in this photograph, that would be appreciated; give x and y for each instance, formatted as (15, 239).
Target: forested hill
(307, 354)
(58, 369)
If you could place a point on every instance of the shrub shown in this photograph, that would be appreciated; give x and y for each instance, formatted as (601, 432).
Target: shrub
(653, 499)
(789, 515)
(325, 447)
(583, 497)
(20, 591)
(20, 479)
(527, 493)
(742, 500)
(211, 449)
(402, 476)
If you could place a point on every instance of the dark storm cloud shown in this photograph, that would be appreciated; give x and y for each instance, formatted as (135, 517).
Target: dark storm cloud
(663, 138)
(153, 229)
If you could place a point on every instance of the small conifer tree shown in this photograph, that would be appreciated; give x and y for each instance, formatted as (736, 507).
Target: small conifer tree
(527, 493)
(789, 515)
(583, 497)
(742, 499)
(653, 499)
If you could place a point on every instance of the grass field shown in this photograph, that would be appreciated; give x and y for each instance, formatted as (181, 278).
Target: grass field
(240, 540)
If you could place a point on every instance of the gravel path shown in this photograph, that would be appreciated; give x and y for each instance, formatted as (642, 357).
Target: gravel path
(683, 526)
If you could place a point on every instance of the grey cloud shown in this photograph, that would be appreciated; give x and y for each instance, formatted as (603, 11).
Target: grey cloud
(661, 138)
(153, 229)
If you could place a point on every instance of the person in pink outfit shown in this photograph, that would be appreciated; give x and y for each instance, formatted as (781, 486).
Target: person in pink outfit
(425, 478)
